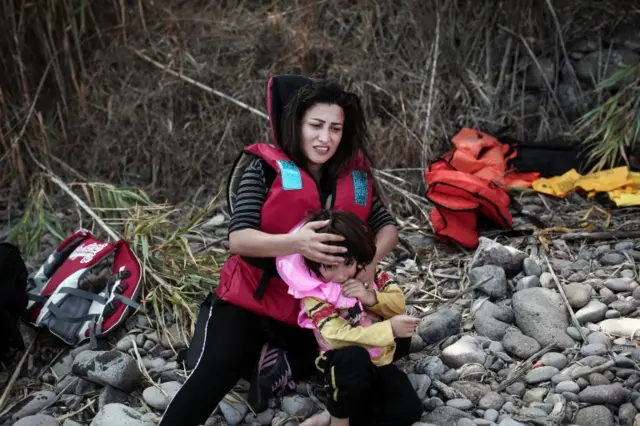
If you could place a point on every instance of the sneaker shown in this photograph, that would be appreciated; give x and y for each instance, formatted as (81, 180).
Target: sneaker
(272, 375)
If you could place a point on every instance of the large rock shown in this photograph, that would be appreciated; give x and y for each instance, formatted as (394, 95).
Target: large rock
(578, 294)
(495, 279)
(113, 368)
(119, 415)
(594, 311)
(491, 320)
(597, 415)
(28, 406)
(446, 416)
(465, 351)
(520, 345)
(540, 313)
(605, 394)
(490, 252)
(439, 325)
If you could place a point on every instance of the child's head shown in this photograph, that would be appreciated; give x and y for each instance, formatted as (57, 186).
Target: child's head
(359, 241)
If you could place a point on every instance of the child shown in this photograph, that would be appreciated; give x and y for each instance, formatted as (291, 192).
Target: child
(356, 332)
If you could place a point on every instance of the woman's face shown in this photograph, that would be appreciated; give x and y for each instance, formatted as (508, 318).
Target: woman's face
(321, 131)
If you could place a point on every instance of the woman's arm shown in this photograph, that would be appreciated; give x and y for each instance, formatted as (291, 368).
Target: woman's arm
(384, 226)
(254, 243)
(246, 239)
(386, 241)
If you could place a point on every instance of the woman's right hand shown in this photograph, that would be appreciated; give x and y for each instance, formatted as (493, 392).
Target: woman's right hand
(310, 244)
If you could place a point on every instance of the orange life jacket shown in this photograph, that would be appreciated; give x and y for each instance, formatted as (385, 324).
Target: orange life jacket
(468, 183)
(483, 156)
(458, 199)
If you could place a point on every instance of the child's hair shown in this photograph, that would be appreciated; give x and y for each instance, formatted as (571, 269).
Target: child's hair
(359, 240)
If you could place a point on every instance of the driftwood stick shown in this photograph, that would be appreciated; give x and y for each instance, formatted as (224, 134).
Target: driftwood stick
(525, 366)
(574, 320)
(600, 368)
(16, 373)
(200, 85)
(600, 236)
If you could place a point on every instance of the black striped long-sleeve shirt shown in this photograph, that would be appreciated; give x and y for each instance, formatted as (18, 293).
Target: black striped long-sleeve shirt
(252, 193)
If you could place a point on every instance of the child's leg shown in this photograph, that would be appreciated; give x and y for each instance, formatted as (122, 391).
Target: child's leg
(394, 403)
(403, 347)
(349, 376)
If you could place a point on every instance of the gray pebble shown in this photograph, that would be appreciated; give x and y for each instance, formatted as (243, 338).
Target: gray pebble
(626, 414)
(517, 389)
(612, 259)
(460, 403)
(597, 337)
(546, 280)
(625, 307)
(559, 378)
(607, 296)
(554, 359)
(430, 404)
(37, 420)
(597, 379)
(567, 386)
(582, 382)
(491, 400)
(531, 267)
(528, 282)
(593, 349)
(620, 284)
(540, 374)
(598, 415)
(491, 415)
(594, 312)
(604, 394)
(612, 314)
(623, 246)
(520, 345)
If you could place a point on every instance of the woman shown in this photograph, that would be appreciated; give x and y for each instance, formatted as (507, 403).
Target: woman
(320, 161)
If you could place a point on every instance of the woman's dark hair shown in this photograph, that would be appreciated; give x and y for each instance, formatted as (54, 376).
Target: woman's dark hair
(359, 240)
(355, 134)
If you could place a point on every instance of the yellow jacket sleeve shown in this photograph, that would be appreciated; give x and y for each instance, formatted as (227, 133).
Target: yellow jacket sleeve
(390, 298)
(339, 333)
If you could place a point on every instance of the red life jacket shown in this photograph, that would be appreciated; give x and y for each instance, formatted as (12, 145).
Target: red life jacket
(459, 198)
(253, 283)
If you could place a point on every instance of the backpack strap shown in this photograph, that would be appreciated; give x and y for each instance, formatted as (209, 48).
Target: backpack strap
(110, 297)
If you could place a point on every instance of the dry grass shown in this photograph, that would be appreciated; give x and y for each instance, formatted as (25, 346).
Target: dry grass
(423, 68)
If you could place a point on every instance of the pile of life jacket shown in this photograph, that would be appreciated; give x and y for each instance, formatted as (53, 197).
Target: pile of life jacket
(468, 187)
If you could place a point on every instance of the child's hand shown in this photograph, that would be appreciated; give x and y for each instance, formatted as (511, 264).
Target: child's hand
(404, 325)
(368, 274)
(355, 288)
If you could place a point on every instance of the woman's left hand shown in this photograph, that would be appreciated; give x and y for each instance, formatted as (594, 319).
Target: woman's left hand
(355, 288)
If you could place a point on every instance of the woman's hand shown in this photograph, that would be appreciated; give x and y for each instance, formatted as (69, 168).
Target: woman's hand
(310, 244)
(355, 288)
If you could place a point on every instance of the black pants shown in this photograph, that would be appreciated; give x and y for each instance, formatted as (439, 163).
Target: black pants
(366, 394)
(231, 349)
